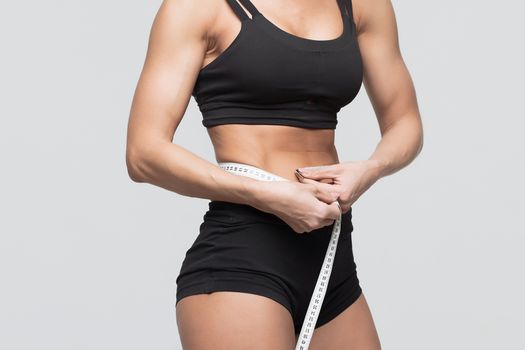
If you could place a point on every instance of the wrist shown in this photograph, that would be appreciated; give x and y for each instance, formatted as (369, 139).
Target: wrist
(254, 192)
(378, 167)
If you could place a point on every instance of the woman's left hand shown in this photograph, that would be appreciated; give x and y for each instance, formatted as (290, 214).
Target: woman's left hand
(351, 178)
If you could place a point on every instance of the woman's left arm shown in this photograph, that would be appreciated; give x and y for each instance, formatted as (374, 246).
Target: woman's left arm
(393, 97)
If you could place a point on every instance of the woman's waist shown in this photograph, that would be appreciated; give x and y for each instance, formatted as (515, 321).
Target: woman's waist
(280, 163)
(275, 148)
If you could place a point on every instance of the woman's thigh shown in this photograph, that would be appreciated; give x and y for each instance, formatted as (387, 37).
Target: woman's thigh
(234, 321)
(353, 329)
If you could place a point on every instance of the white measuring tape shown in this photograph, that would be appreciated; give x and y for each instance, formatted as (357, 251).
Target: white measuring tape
(316, 301)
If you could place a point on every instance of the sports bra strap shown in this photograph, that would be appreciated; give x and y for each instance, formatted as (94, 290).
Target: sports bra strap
(346, 5)
(240, 12)
(251, 7)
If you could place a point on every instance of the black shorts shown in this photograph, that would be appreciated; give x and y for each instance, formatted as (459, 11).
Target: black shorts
(240, 248)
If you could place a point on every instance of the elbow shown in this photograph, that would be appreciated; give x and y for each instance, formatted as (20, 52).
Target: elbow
(420, 145)
(134, 161)
(420, 139)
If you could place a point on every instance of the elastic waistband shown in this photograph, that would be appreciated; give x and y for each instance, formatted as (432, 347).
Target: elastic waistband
(236, 212)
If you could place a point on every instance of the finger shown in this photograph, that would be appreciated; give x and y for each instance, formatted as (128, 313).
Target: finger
(320, 172)
(328, 192)
(329, 181)
(304, 180)
(324, 192)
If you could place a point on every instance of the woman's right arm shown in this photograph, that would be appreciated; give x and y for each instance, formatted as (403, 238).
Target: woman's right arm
(177, 44)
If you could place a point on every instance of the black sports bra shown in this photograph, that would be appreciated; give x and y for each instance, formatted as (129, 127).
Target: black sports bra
(269, 76)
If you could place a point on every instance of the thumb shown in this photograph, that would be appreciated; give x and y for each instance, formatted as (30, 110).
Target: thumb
(335, 210)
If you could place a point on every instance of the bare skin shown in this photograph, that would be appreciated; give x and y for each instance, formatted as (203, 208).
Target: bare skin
(186, 36)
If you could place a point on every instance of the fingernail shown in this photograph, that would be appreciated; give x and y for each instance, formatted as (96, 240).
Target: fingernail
(299, 170)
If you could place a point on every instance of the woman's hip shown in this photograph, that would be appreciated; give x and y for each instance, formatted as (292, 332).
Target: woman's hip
(240, 237)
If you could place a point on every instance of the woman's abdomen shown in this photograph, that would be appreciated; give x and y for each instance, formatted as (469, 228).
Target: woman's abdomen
(274, 148)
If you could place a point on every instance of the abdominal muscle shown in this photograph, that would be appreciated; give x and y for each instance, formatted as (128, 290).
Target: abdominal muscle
(278, 149)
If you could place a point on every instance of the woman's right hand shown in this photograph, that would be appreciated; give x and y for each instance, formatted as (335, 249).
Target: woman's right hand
(303, 206)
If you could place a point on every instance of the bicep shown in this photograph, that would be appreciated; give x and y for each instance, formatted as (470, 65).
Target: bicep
(386, 77)
(176, 47)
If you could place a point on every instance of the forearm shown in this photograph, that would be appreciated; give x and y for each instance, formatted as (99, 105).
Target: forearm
(399, 145)
(174, 168)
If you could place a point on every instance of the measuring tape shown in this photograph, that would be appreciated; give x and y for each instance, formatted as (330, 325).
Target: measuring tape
(316, 301)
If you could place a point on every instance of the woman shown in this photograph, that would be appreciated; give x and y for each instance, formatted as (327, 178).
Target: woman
(269, 78)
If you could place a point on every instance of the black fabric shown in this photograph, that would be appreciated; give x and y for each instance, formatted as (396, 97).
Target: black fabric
(240, 248)
(269, 76)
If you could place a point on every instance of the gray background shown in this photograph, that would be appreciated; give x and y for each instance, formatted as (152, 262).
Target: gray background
(88, 259)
